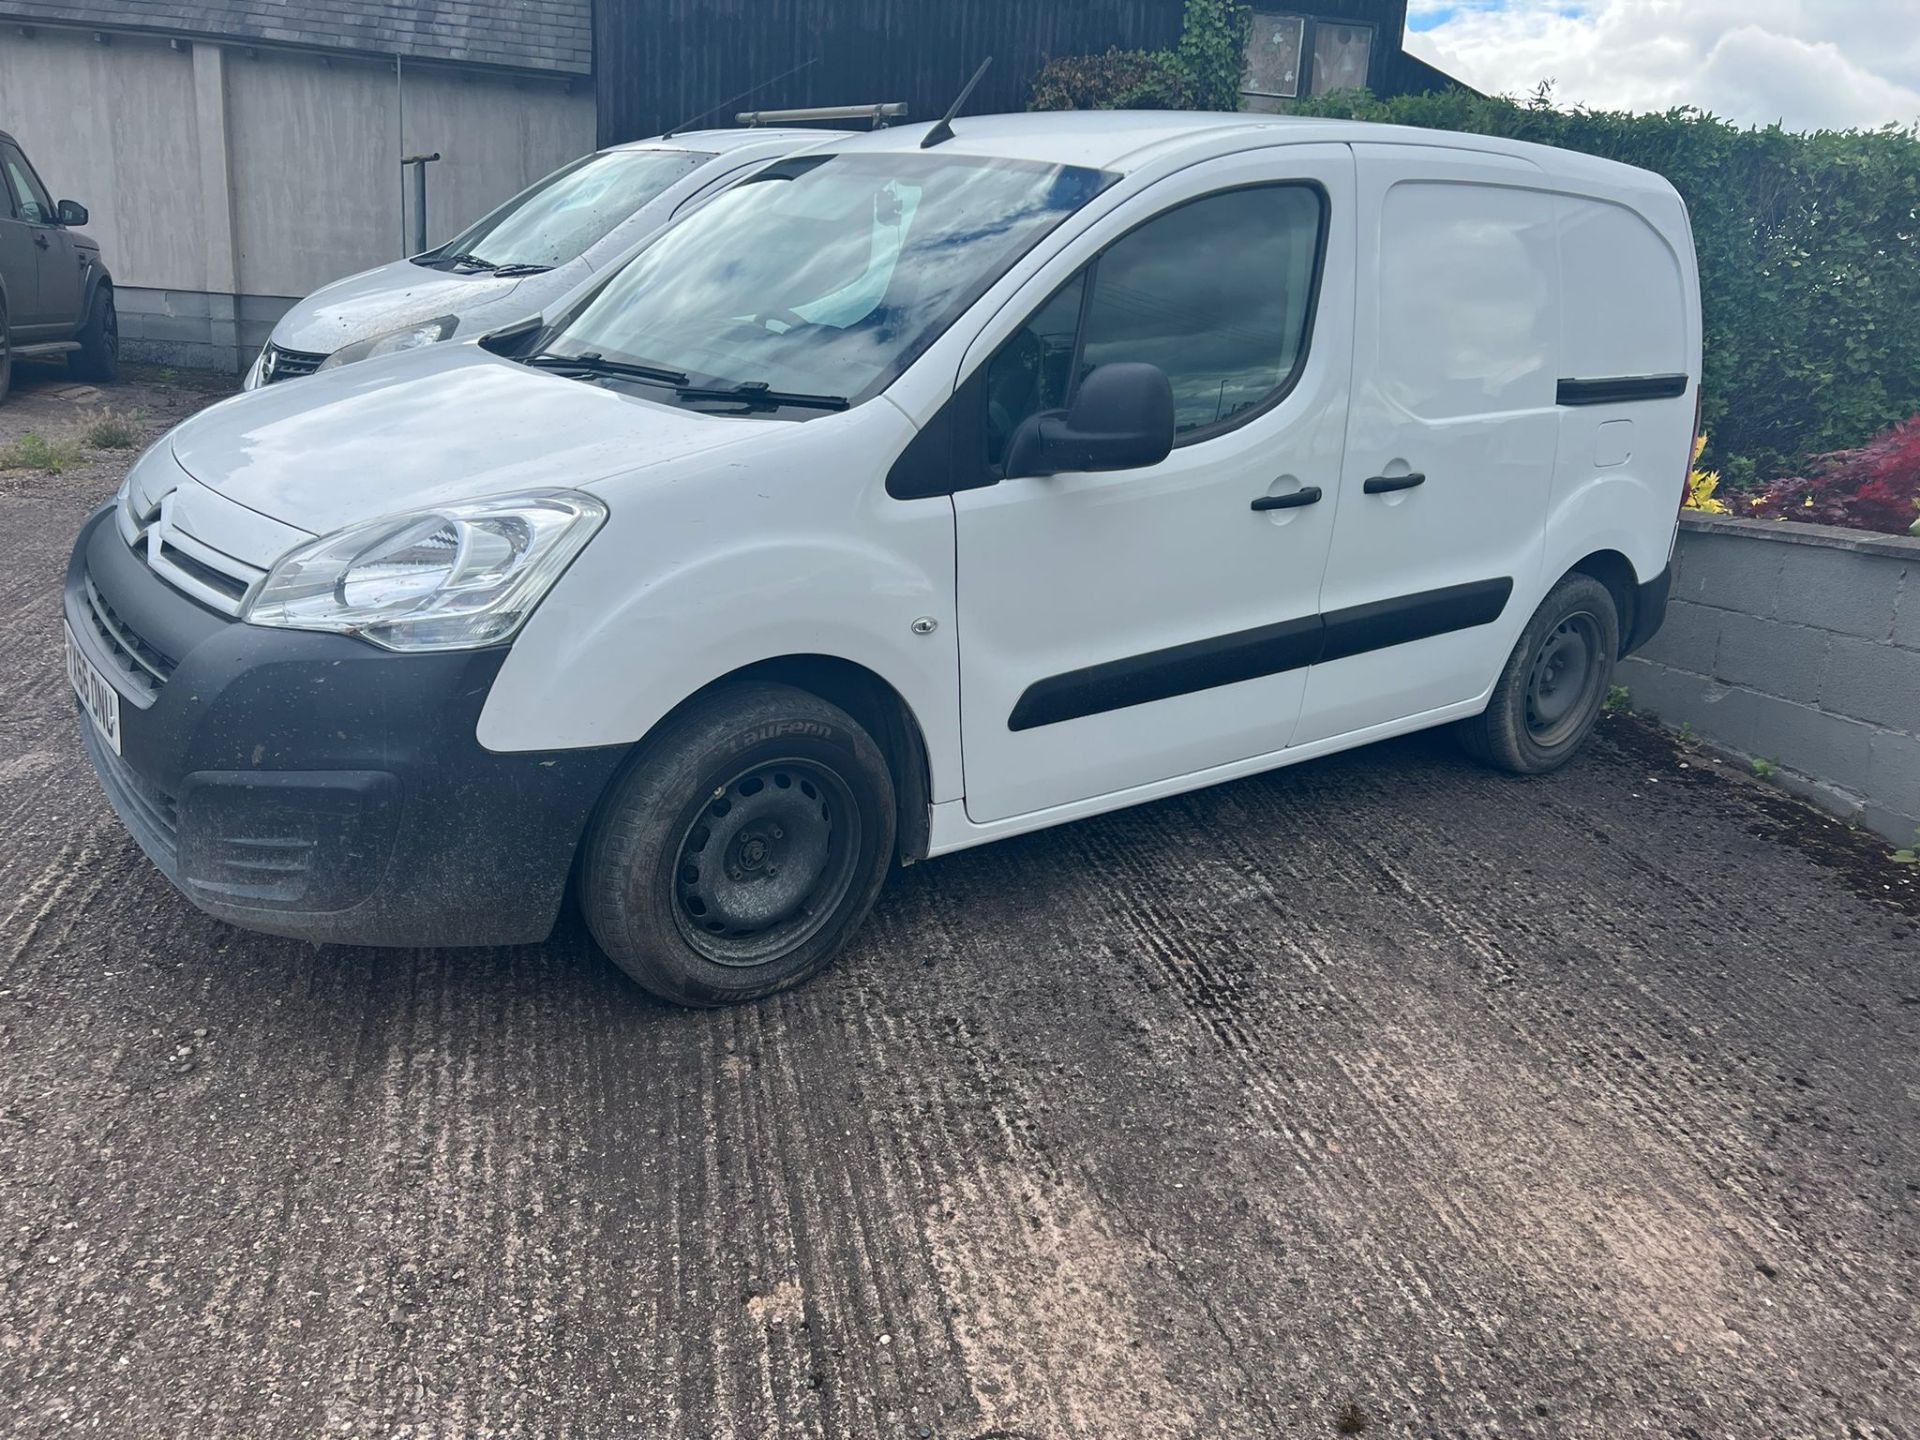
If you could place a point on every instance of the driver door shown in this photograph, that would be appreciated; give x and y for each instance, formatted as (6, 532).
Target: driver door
(22, 237)
(1131, 627)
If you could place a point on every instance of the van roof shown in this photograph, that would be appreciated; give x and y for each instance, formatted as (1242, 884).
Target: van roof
(718, 142)
(1124, 140)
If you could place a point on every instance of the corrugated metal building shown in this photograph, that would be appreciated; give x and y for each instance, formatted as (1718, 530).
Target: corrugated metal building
(658, 62)
(237, 154)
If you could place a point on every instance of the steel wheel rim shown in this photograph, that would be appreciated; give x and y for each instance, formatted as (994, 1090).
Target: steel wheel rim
(766, 863)
(1564, 680)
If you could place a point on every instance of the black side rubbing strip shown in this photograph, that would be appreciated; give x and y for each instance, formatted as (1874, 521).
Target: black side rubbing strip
(1407, 618)
(1623, 389)
(1251, 654)
(1163, 674)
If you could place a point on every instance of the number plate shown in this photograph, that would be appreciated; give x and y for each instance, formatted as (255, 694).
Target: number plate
(97, 696)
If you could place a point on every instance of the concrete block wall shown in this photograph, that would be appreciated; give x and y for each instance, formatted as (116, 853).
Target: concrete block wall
(1798, 644)
(193, 329)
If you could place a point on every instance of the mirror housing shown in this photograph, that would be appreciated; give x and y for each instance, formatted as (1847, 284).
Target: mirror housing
(1121, 419)
(517, 340)
(70, 212)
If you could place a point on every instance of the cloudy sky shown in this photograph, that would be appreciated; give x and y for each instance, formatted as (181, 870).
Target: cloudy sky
(1808, 63)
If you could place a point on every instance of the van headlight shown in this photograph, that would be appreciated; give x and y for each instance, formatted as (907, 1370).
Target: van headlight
(454, 578)
(257, 372)
(408, 337)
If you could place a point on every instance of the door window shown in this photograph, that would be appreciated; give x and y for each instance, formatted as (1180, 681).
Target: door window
(1217, 293)
(34, 206)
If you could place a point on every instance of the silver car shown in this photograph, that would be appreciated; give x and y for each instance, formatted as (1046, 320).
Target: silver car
(541, 244)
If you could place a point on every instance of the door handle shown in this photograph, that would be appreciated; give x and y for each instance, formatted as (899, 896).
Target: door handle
(1387, 484)
(1305, 495)
(41, 241)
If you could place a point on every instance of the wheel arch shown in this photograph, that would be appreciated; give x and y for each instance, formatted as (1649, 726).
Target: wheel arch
(97, 280)
(881, 710)
(1616, 572)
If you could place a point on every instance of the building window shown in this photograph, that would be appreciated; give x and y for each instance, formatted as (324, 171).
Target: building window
(1276, 44)
(1341, 54)
(1293, 55)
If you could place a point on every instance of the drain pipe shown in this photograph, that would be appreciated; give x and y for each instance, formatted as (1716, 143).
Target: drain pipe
(419, 164)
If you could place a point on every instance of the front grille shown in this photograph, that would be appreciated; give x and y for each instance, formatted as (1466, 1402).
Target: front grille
(288, 364)
(146, 809)
(144, 667)
(188, 563)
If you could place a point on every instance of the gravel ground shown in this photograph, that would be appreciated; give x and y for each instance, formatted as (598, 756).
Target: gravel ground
(1380, 1096)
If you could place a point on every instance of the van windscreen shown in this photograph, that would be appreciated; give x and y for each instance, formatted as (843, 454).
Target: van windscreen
(825, 273)
(570, 211)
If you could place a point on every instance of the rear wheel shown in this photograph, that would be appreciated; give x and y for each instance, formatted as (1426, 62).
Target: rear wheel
(98, 357)
(741, 848)
(1554, 685)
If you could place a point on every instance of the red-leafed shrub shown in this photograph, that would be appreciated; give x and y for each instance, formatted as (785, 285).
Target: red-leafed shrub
(1876, 487)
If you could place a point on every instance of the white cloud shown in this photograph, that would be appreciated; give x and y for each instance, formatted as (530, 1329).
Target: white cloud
(1807, 63)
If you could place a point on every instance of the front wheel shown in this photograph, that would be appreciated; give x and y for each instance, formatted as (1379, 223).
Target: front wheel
(1555, 683)
(741, 848)
(98, 357)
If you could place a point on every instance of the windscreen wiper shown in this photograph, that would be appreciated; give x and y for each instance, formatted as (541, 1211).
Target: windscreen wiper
(474, 260)
(517, 268)
(758, 395)
(594, 363)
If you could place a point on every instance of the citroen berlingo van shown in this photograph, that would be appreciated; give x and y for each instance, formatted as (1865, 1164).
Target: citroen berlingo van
(923, 489)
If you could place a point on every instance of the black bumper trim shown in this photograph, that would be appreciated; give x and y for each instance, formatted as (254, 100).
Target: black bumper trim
(317, 786)
(1649, 611)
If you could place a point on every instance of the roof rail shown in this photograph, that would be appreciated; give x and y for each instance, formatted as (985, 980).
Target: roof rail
(876, 115)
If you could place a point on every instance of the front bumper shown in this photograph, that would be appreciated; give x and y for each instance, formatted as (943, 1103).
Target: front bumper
(315, 785)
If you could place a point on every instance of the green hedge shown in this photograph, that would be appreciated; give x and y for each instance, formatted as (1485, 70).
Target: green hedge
(1809, 244)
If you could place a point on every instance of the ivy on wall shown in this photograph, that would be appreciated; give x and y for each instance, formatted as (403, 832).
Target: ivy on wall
(1213, 43)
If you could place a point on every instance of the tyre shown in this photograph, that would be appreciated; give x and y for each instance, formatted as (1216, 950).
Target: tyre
(1555, 683)
(6, 356)
(98, 357)
(741, 847)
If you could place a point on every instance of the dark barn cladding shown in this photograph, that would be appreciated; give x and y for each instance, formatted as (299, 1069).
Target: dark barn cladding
(659, 63)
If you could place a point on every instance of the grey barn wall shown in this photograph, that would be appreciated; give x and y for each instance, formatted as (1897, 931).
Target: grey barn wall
(224, 184)
(1800, 645)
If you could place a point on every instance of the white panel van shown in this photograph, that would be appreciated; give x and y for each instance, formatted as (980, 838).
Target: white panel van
(923, 489)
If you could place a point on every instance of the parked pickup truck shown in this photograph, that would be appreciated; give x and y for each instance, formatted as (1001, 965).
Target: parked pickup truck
(56, 297)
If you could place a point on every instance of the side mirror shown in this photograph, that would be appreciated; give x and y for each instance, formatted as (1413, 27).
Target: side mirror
(70, 212)
(516, 340)
(1121, 419)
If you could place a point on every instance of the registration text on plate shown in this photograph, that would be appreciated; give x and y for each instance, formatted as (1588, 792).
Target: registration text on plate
(99, 699)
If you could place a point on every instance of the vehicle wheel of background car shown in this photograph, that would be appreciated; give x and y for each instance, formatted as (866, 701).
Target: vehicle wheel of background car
(98, 357)
(6, 356)
(741, 847)
(1551, 692)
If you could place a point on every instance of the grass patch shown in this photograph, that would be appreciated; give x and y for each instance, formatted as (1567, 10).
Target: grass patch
(113, 430)
(34, 452)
